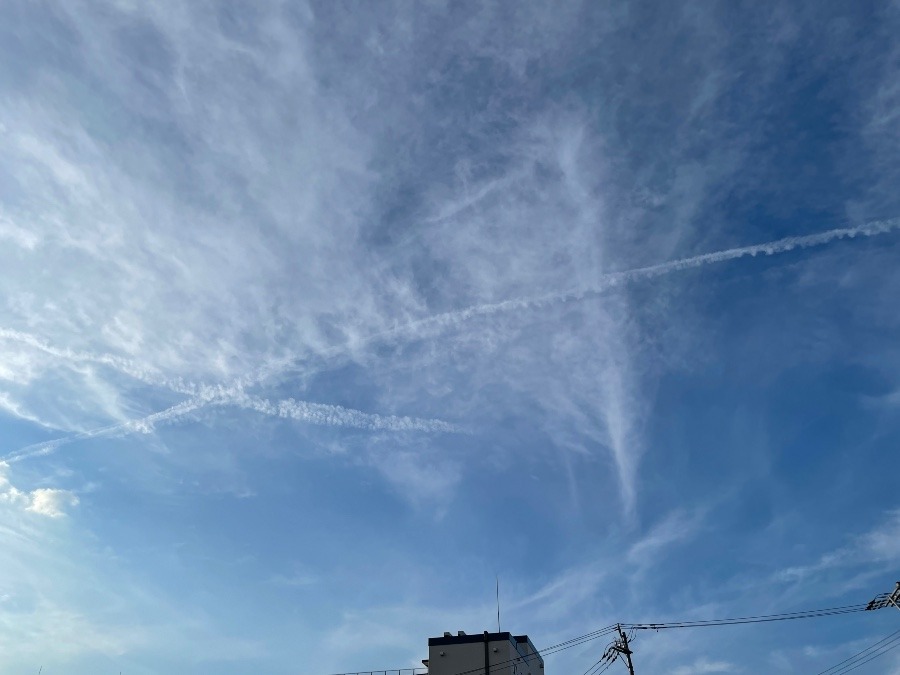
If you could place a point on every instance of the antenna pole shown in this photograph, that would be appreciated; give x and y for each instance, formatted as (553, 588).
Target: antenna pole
(498, 603)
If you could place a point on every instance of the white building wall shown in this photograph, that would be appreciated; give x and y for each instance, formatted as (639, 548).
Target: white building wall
(505, 657)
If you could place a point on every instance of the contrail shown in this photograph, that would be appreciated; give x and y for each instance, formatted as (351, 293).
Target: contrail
(447, 320)
(143, 425)
(438, 323)
(339, 416)
(138, 371)
(319, 414)
(615, 279)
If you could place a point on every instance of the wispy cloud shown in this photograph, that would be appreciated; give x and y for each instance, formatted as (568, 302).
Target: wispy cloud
(675, 528)
(878, 546)
(18, 235)
(158, 286)
(565, 594)
(296, 580)
(704, 665)
(625, 452)
(16, 409)
(444, 217)
(139, 371)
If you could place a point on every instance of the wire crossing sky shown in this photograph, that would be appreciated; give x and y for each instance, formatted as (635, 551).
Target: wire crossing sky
(632, 627)
(324, 324)
(863, 656)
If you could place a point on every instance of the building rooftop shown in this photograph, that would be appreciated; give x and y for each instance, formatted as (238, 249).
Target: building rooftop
(462, 638)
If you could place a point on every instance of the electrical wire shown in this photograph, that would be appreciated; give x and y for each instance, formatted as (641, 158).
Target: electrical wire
(552, 649)
(857, 655)
(612, 660)
(610, 656)
(593, 669)
(763, 618)
(588, 637)
(870, 653)
(873, 657)
(389, 671)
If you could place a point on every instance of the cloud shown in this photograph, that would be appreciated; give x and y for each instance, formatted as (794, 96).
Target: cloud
(295, 580)
(704, 665)
(14, 408)
(618, 411)
(66, 599)
(675, 528)
(18, 235)
(138, 371)
(565, 594)
(882, 543)
(49, 502)
(419, 473)
(453, 219)
(878, 546)
(626, 461)
(180, 289)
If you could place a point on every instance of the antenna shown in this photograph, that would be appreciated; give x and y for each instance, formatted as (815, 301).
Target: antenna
(498, 603)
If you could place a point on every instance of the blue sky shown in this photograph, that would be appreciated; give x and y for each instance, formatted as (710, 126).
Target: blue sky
(315, 318)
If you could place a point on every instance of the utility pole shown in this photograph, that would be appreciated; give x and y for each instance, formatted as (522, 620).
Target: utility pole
(886, 599)
(621, 646)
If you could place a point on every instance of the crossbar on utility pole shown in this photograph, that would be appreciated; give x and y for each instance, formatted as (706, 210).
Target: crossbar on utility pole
(622, 647)
(886, 599)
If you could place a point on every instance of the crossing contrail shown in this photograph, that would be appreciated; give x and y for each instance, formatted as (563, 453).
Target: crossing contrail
(316, 413)
(142, 425)
(320, 414)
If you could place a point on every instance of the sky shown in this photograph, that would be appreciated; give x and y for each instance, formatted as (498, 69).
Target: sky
(318, 319)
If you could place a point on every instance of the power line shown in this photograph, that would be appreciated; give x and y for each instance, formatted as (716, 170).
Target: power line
(863, 656)
(606, 666)
(857, 655)
(610, 655)
(873, 657)
(702, 623)
(552, 649)
(763, 618)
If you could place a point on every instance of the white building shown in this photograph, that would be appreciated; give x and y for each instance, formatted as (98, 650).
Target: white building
(485, 654)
